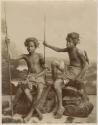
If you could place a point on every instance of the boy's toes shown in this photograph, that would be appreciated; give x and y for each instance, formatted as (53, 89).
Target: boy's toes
(55, 111)
(59, 113)
(58, 116)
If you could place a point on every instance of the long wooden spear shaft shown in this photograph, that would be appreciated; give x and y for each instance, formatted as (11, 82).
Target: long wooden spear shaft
(7, 45)
(45, 94)
(44, 35)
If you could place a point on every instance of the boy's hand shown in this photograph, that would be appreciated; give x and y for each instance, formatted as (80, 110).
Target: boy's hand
(45, 43)
(7, 40)
(36, 76)
(32, 78)
(66, 81)
(46, 67)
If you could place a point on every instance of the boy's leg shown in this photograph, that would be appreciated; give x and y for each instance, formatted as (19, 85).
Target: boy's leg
(55, 66)
(28, 94)
(38, 99)
(17, 96)
(58, 84)
(84, 93)
(33, 107)
(56, 106)
(39, 94)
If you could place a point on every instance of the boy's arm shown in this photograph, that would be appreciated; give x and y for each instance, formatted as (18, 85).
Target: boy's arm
(86, 57)
(19, 57)
(84, 65)
(7, 40)
(55, 48)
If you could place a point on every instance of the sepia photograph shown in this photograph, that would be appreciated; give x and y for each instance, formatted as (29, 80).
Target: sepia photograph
(49, 61)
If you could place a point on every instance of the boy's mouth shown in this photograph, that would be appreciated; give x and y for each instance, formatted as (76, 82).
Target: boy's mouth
(31, 51)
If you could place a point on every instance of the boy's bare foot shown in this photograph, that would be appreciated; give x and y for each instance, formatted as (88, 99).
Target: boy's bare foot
(59, 113)
(55, 110)
(26, 119)
(40, 116)
(22, 120)
(69, 119)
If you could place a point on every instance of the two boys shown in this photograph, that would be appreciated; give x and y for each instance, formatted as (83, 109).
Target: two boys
(35, 62)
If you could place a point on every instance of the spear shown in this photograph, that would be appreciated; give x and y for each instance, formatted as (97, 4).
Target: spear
(44, 35)
(7, 45)
(45, 94)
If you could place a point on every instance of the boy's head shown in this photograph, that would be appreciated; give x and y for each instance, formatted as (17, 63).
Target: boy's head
(31, 44)
(72, 39)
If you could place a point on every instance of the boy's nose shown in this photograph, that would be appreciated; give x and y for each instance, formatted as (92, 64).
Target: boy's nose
(29, 48)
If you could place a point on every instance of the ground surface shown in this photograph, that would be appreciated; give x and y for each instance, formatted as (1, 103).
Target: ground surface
(48, 118)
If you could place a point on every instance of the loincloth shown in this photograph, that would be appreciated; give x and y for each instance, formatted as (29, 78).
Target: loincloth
(70, 72)
(32, 81)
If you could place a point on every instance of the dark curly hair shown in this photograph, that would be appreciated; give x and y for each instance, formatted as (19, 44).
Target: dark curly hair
(74, 36)
(31, 39)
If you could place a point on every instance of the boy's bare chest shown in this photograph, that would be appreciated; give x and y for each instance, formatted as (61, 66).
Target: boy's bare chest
(73, 55)
(33, 59)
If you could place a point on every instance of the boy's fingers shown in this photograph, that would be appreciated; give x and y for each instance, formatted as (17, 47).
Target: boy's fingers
(7, 40)
(44, 43)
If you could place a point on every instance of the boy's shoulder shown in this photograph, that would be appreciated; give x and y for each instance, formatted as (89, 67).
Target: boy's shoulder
(40, 55)
(25, 55)
(22, 55)
(80, 51)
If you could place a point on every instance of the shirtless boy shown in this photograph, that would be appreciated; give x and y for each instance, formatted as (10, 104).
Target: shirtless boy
(36, 73)
(75, 70)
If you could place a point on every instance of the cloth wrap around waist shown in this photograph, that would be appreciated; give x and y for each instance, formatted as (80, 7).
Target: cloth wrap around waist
(31, 81)
(70, 72)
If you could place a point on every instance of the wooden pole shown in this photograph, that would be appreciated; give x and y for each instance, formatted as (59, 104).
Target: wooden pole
(7, 45)
(44, 35)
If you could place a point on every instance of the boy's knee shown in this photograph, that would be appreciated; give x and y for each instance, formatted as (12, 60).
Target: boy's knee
(58, 84)
(55, 63)
(27, 91)
(40, 87)
(62, 65)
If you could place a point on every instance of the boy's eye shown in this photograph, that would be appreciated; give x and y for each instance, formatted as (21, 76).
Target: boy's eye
(30, 46)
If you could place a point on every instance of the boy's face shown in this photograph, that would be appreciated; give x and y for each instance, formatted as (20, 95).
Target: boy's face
(31, 47)
(70, 43)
